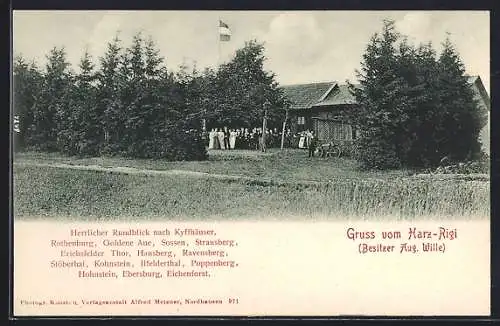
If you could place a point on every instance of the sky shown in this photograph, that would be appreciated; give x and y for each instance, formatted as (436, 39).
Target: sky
(300, 46)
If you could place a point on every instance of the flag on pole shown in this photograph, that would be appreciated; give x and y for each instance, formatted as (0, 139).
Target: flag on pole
(224, 31)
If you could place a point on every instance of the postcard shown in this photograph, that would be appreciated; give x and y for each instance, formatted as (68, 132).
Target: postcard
(251, 163)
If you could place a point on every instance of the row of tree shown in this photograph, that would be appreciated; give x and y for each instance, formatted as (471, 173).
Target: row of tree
(131, 105)
(415, 107)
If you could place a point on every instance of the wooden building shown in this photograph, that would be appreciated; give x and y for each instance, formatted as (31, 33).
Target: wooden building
(317, 107)
(483, 99)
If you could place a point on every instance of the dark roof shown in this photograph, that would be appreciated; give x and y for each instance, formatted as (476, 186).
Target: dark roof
(304, 96)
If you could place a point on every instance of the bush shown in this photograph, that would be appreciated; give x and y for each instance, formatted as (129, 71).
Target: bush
(375, 153)
(175, 145)
(470, 167)
(348, 149)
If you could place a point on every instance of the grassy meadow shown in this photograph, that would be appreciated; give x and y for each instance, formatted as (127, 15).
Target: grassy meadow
(235, 185)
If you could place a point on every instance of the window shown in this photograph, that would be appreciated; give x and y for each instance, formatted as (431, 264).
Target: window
(301, 120)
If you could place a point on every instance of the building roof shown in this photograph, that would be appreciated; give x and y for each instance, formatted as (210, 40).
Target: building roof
(339, 95)
(480, 91)
(306, 96)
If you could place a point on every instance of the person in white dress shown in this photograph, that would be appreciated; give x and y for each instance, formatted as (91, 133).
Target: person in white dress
(211, 139)
(220, 137)
(216, 139)
(232, 139)
(302, 140)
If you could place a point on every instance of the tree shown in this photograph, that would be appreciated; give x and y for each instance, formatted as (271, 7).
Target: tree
(205, 96)
(461, 118)
(381, 102)
(195, 90)
(243, 86)
(419, 137)
(85, 119)
(109, 105)
(130, 106)
(413, 106)
(27, 84)
(156, 99)
(146, 108)
(133, 97)
(50, 131)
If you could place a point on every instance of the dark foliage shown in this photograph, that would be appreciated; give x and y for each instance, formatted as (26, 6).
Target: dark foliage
(414, 107)
(241, 87)
(27, 84)
(132, 106)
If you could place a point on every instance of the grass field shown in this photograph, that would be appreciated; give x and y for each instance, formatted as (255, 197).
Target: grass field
(236, 185)
(291, 165)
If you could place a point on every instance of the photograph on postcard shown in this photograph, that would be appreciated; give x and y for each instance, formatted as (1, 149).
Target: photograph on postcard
(251, 163)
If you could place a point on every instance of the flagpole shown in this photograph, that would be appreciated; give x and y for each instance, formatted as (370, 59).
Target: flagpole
(218, 58)
(218, 43)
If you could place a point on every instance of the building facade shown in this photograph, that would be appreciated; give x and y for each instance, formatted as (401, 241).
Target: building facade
(318, 107)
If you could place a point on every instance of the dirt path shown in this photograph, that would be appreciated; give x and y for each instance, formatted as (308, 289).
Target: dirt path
(195, 174)
(136, 171)
(130, 170)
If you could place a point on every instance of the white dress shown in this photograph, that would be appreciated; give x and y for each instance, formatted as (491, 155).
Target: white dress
(211, 140)
(308, 139)
(302, 141)
(220, 135)
(232, 139)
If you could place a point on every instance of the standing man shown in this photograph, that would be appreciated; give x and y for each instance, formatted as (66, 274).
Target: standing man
(313, 142)
(226, 138)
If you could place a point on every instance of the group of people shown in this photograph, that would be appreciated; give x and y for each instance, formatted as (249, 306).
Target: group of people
(221, 139)
(245, 138)
(308, 140)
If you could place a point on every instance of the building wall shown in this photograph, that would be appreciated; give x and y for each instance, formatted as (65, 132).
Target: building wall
(331, 130)
(307, 119)
(324, 122)
(484, 137)
(483, 101)
(300, 120)
(328, 124)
